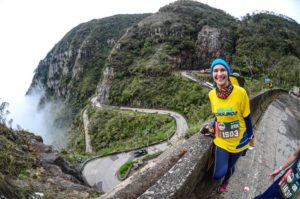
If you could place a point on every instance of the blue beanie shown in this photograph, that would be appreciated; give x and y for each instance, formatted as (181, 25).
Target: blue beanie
(222, 62)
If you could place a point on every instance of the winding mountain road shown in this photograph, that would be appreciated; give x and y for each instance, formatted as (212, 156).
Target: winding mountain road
(88, 146)
(180, 120)
(101, 172)
(190, 76)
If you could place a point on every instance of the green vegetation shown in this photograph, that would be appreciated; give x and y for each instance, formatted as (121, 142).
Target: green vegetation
(204, 77)
(254, 86)
(124, 168)
(13, 162)
(73, 157)
(94, 195)
(286, 72)
(95, 52)
(24, 174)
(76, 139)
(265, 40)
(16, 162)
(169, 92)
(113, 131)
(151, 156)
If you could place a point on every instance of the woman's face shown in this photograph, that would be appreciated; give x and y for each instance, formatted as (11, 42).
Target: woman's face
(220, 75)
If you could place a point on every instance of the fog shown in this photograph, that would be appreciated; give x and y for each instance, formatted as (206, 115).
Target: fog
(25, 114)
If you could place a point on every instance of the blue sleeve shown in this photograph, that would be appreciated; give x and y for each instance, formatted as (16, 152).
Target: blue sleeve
(249, 126)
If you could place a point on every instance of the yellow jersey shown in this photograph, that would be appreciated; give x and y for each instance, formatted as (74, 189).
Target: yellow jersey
(230, 126)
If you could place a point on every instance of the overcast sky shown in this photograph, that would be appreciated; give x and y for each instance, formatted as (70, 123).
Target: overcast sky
(30, 28)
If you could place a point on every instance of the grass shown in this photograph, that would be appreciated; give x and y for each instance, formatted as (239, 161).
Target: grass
(24, 174)
(124, 168)
(254, 86)
(115, 131)
(151, 156)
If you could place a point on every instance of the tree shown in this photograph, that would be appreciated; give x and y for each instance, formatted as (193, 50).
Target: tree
(3, 112)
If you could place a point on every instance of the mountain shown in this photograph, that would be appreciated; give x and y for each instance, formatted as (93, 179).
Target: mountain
(264, 40)
(135, 60)
(71, 70)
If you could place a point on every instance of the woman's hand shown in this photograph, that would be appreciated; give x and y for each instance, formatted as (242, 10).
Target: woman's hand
(210, 129)
(275, 173)
(252, 143)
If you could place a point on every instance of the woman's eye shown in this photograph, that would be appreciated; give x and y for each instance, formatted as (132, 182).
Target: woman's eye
(217, 70)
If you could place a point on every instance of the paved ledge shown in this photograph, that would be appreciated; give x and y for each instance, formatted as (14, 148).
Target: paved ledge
(181, 180)
(260, 102)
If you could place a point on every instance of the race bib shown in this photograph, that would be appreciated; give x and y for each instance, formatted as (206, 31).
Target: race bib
(227, 129)
(289, 185)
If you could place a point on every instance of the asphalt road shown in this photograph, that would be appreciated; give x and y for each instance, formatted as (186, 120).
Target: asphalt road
(88, 146)
(101, 172)
(190, 76)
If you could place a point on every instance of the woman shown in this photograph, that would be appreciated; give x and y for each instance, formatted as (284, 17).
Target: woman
(232, 126)
(288, 184)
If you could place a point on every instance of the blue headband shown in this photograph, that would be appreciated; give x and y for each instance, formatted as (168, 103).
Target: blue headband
(222, 62)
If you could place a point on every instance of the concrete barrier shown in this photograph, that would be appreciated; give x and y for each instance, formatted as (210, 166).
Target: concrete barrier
(181, 172)
(260, 102)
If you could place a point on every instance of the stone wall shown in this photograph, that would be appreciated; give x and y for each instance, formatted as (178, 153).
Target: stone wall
(260, 102)
(182, 171)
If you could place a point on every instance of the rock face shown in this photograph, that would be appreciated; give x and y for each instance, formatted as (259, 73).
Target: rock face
(210, 43)
(28, 166)
(103, 88)
(72, 69)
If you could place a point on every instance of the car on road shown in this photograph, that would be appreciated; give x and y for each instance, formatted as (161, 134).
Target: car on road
(140, 152)
(295, 91)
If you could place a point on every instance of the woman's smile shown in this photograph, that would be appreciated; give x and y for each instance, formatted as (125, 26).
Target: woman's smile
(220, 75)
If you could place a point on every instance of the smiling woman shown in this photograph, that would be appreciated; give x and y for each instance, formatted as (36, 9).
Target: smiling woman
(232, 125)
(220, 72)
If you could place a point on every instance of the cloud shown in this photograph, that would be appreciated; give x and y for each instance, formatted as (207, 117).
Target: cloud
(25, 112)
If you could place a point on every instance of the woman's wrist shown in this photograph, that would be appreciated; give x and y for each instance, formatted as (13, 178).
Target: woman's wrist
(280, 168)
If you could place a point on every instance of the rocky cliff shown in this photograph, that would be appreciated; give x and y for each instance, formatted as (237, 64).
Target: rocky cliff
(71, 70)
(28, 167)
